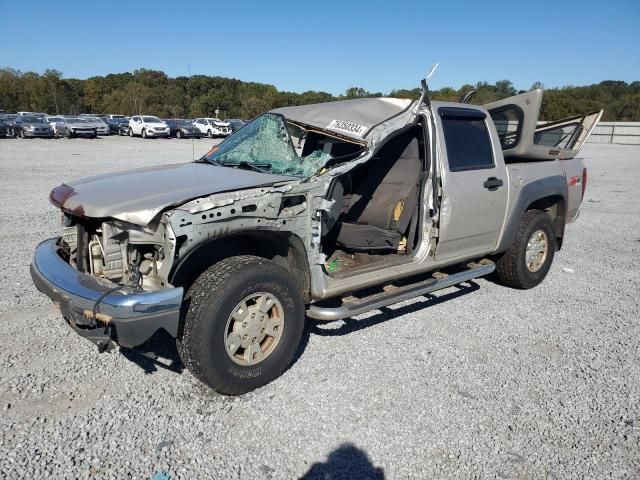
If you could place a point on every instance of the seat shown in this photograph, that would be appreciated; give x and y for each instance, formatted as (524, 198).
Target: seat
(378, 210)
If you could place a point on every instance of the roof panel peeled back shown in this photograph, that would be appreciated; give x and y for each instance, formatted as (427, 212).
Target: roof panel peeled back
(350, 118)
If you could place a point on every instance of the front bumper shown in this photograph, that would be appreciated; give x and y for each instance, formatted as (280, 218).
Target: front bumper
(189, 133)
(34, 134)
(125, 317)
(76, 132)
(158, 133)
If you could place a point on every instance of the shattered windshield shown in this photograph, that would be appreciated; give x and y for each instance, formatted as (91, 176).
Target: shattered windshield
(264, 144)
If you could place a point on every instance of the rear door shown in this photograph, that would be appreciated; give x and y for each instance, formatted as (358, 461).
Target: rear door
(474, 181)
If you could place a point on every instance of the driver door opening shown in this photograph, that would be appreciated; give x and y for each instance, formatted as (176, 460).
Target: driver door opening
(376, 212)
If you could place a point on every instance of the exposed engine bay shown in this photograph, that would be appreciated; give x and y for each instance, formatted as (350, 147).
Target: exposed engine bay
(122, 253)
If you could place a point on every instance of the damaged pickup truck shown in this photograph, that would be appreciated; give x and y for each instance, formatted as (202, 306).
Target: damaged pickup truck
(323, 211)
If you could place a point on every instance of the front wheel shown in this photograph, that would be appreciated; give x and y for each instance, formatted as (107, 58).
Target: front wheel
(528, 260)
(243, 324)
(178, 134)
(144, 133)
(209, 134)
(131, 132)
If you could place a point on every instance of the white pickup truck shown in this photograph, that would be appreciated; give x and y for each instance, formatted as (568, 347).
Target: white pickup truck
(319, 211)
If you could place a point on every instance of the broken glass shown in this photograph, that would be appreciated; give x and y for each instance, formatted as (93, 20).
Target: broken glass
(264, 144)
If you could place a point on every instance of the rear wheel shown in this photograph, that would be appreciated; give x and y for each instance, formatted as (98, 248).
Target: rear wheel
(243, 324)
(528, 260)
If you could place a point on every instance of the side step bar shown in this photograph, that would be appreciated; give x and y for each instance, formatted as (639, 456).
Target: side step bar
(391, 294)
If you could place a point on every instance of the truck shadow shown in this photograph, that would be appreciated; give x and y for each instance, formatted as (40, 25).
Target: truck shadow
(160, 352)
(351, 325)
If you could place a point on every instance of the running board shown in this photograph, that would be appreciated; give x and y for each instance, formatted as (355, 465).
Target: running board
(391, 294)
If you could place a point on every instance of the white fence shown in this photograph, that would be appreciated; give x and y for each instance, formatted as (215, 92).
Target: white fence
(616, 132)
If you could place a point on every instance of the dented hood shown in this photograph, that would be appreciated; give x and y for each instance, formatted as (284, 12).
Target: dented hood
(137, 196)
(350, 118)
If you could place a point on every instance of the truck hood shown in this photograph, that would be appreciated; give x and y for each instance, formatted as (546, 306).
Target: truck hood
(137, 196)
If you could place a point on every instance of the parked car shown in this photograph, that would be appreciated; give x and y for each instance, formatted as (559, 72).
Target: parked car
(57, 124)
(78, 127)
(236, 124)
(27, 126)
(9, 121)
(119, 125)
(212, 127)
(92, 115)
(388, 199)
(182, 128)
(33, 114)
(101, 127)
(148, 126)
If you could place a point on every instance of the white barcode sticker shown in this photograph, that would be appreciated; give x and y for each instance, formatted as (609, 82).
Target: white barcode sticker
(347, 127)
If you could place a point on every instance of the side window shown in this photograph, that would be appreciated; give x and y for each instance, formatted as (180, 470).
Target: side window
(508, 122)
(466, 138)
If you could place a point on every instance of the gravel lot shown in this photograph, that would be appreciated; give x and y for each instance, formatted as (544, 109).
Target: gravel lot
(491, 383)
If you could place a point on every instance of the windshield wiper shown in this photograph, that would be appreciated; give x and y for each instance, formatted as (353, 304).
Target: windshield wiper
(258, 167)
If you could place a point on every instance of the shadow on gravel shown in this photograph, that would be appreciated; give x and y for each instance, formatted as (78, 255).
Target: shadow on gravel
(351, 325)
(158, 352)
(347, 461)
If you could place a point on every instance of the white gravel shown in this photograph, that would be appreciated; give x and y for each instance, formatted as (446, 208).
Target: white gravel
(491, 383)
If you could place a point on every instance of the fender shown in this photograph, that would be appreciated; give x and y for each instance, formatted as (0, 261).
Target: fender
(555, 186)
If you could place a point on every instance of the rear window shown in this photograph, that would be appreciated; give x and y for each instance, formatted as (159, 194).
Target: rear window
(508, 122)
(467, 139)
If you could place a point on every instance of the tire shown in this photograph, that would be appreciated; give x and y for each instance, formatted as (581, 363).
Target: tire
(130, 132)
(513, 268)
(209, 304)
(120, 133)
(69, 134)
(178, 134)
(144, 133)
(21, 133)
(209, 134)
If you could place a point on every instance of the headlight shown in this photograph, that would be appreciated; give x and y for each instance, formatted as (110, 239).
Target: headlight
(30, 127)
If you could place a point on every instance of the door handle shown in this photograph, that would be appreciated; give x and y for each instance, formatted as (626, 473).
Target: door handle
(492, 183)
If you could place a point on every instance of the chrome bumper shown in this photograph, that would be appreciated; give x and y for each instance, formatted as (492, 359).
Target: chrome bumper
(125, 317)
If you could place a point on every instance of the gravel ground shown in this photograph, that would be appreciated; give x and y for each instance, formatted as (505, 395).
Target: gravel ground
(473, 382)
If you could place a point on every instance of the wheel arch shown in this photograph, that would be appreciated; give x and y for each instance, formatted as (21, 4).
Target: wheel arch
(283, 248)
(546, 194)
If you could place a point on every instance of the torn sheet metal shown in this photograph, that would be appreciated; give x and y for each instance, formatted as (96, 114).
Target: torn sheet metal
(350, 115)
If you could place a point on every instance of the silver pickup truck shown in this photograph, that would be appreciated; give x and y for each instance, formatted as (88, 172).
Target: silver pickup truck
(320, 211)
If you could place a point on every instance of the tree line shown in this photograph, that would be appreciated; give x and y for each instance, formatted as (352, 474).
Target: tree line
(153, 92)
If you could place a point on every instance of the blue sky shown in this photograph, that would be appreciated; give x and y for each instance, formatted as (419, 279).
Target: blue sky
(330, 45)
